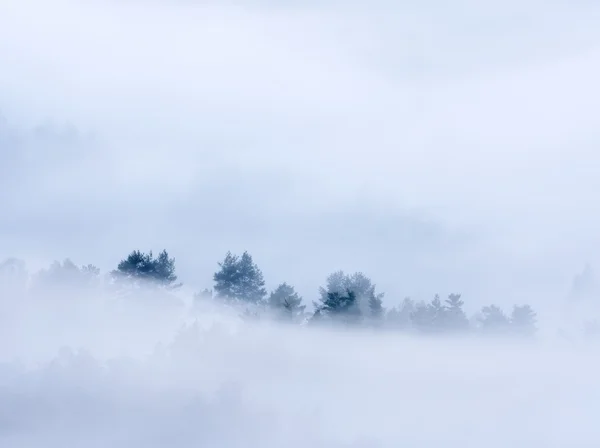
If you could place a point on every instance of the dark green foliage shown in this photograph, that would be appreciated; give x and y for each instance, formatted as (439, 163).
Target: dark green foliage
(286, 303)
(239, 278)
(523, 320)
(361, 285)
(139, 266)
(341, 307)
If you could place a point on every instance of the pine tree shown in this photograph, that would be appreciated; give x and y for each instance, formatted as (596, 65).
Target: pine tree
(361, 285)
(239, 278)
(286, 303)
(421, 317)
(139, 266)
(455, 318)
(523, 320)
(437, 314)
(341, 308)
(429, 317)
(400, 317)
(65, 278)
(493, 321)
(227, 277)
(377, 312)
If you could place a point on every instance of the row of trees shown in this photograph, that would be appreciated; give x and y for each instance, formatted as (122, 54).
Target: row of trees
(345, 299)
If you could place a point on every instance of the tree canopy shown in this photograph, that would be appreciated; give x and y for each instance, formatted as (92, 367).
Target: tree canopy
(139, 266)
(239, 278)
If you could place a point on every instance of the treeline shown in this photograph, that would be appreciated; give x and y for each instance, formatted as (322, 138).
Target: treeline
(349, 300)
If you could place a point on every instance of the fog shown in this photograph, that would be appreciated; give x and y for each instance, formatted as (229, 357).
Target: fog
(453, 146)
(87, 371)
(438, 148)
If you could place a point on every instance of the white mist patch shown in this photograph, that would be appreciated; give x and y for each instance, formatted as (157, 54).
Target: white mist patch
(206, 378)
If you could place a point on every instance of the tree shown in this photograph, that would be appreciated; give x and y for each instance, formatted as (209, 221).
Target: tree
(340, 307)
(239, 278)
(376, 311)
(523, 320)
(139, 266)
(400, 317)
(493, 321)
(361, 285)
(429, 317)
(65, 277)
(286, 303)
(455, 318)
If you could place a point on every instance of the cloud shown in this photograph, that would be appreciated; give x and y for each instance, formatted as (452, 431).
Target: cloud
(262, 385)
(476, 119)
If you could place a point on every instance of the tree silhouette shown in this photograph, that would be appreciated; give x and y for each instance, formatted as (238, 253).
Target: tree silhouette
(455, 319)
(361, 285)
(341, 308)
(376, 310)
(239, 278)
(493, 321)
(429, 317)
(399, 317)
(65, 278)
(139, 266)
(286, 303)
(523, 320)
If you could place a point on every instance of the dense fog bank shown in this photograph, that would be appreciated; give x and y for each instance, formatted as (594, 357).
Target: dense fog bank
(207, 376)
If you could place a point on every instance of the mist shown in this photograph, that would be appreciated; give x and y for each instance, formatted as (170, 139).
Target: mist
(85, 367)
(438, 148)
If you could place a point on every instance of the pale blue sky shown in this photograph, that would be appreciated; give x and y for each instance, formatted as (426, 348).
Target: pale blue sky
(437, 148)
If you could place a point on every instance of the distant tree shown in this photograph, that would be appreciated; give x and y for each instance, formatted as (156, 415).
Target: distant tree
(438, 314)
(65, 277)
(493, 321)
(429, 317)
(341, 308)
(317, 316)
(239, 278)
(139, 266)
(361, 285)
(455, 319)
(376, 309)
(523, 320)
(421, 317)
(400, 317)
(286, 303)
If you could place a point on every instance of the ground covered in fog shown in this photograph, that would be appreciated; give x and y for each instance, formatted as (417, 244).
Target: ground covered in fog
(208, 378)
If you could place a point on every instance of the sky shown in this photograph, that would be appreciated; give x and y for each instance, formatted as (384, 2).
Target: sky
(436, 148)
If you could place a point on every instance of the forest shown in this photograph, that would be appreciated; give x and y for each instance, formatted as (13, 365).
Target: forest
(345, 300)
